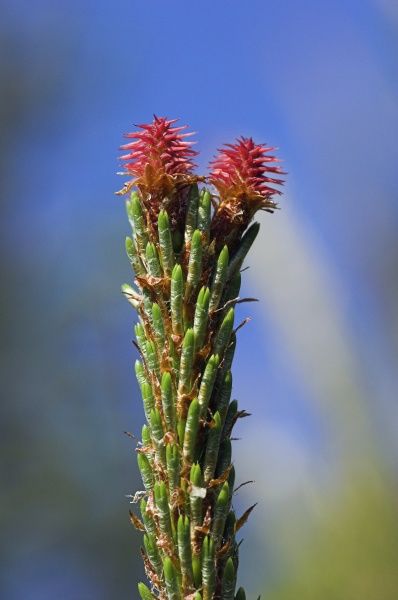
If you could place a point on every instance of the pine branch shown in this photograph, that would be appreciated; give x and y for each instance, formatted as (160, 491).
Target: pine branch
(186, 249)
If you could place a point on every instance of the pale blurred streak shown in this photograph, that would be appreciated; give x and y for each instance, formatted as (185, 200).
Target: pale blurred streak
(305, 298)
(301, 492)
(389, 8)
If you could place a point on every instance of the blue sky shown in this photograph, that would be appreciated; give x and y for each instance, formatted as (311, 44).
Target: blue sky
(316, 79)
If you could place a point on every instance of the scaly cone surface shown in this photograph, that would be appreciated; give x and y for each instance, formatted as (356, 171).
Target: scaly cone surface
(186, 249)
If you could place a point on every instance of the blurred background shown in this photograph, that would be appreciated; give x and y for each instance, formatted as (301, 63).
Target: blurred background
(316, 366)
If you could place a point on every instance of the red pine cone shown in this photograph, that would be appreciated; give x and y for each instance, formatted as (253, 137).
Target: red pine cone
(242, 170)
(158, 156)
(244, 174)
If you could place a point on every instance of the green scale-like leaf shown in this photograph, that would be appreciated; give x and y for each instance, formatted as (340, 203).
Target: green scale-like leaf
(220, 278)
(197, 570)
(176, 300)
(141, 338)
(171, 579)
(195, 263)
(221, 509)
(145, 592)
(201, 316)
(230, 525)
(146, 436)
(224, 395)
(208, 568)
(137, 221)
(162, 505)
(187, 356)
(134, 258)
(184, 552)
(158, 326)
(153, 553)
(243, 248)
(230, 418)
(224, 457)
(224, 333)
(152, 260)
(148, 400)
(207, 383)
(165, 243)
(204, 214)
(140, 373)
(158, 434)
(173, 467)
(168, 401)
(228, 581)
(196, 498)
(240, 594)
(191, 431)
(192, 213)
(146, 471)
(147, 518)
(152, 358)
(212, 446)
(232, 289)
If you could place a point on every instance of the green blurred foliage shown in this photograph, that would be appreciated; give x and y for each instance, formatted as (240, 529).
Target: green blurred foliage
(352, 554)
